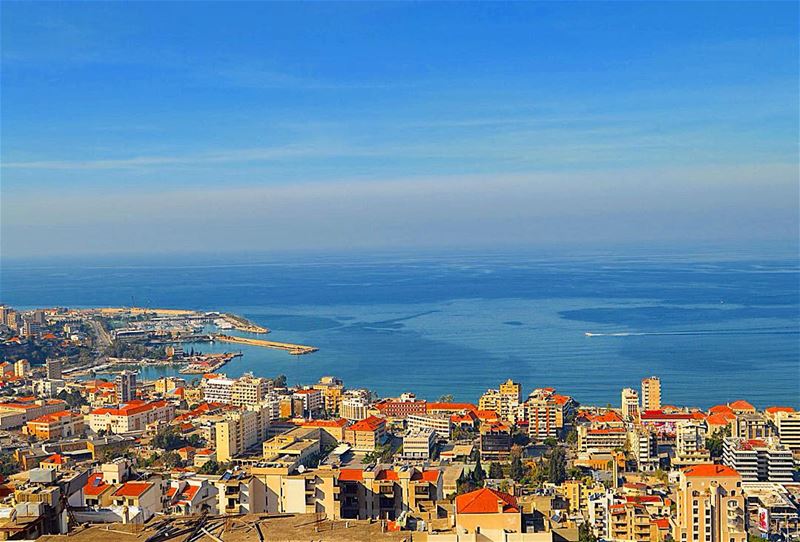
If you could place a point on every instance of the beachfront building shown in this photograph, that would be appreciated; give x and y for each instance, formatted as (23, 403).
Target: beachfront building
(651, 393)
(250, 390)
(710, 505)
(630, 404)
(505, 400)
(401, 407)
(758, 460)
(332, 389)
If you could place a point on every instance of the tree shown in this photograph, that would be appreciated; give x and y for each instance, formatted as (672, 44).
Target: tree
(8, 465)
(279, 381)
(495, 470)
(557, 466)
(715, 441)
(73, 398)
(448, 398)
(171, 459)
(550, 442)
(478, 474)
(585, 534)
(517, 470)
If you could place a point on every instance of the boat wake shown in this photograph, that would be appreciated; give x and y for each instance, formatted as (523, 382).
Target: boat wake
(779, 331)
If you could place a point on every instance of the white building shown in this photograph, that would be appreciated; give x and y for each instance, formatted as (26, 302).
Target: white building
(630, 404)
(439, 424)
(788, 424)
(758, 460)
(418, 444)
(355, 405)
(134, 416)
(690, 444)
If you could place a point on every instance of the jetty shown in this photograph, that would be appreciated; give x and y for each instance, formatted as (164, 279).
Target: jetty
(293, 349)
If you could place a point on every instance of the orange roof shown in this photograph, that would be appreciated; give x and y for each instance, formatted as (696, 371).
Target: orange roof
(561, 399)
(55, 459)
(55, 416)
(307, 392)
(709, 470)
(698, 416)
(718, 419)
(341, 422)
(204, 451)
(607, 417)
(188, 493)
(431, 475)
(134, 407)
(486, 501)
(775, 409)
(741, 404)
(48, 336)
(720, 409)
(371, 423)
(351, 475)
(387, 474)
(661, 523)
(608, 431)
(486, 414)
(132, 489)
(450, 406)
(95, 485)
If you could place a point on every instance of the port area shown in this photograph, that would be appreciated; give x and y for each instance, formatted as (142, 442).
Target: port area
(199, 364)
(293, 349)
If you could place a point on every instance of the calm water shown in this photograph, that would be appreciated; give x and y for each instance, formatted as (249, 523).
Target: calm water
(714, 326)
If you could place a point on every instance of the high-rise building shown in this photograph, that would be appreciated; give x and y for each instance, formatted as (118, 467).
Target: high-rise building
(690, 444)
(39, 317)
(355, 405)
(758, 460)
(53, 368)
(651, 393)
(643, 445)
(22, 368)
(512, 390)
(250, 390)
(788, 424)
(710, 505)
(630, 404)
(242, 430)
(125, 386)
(546, 413)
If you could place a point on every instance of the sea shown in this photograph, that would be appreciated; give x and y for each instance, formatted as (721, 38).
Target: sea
(715, 324)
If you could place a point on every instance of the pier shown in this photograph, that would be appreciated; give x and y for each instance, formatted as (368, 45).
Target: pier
(293, 349)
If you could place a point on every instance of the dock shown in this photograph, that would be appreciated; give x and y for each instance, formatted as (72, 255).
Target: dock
(293, 349)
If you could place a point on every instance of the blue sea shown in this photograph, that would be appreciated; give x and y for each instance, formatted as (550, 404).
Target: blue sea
(715, 325)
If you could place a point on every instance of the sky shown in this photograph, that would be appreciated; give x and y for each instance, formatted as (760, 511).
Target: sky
(149, 127)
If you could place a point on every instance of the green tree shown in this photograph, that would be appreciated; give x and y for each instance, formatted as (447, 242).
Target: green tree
(517, 470)
(715, 441)
(585, 533)
(557, 466)
(447, 398)
(171, 459)
(279, 381)
(8, 465)
(478, 474)
(495, 470)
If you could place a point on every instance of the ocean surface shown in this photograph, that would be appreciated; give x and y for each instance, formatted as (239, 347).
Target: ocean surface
(715, 325)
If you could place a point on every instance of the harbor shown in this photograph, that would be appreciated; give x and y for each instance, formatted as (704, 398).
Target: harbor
(293, 349)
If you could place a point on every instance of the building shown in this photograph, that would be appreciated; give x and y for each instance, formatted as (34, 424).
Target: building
(241, 430)
(130, 417)
(239, 493)
(495, 441)
(402, 407)
(136, 498)
(758, 460)
(125, 386)
(651, 393)
(601, 439)
(418, 444)
(749, 425)
(20, 412)
(633, 521)
(22, 368)
(486, 511)
(355, 405)
(710, 505)
(332, 389)
(505, 401)
(546, 413)
(53, 369)
(217, 389)
(59, 425)
(643, 445)
(441, 424)
(250, 390)
(295, 447)
(788, 426)
(382, 493)
(630, 404)
(690, 444)
(367, 434)
(312, 399)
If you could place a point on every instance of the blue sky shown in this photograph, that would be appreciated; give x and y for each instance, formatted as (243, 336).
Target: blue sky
(153, 127)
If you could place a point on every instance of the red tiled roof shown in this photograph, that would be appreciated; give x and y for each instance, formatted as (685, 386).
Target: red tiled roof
(132, 489)
(661, 523)
(775, 409)
(370, 423)
(709, 470)
(561, 399)
(661, 415)
(450, 406)
(717, 419)
(720, 409)
(351, 475)
(95, 485)
(607, 417)
(341, 422)
(134, 407)
(431, 475)
(387, 474)
(486, 414)
(741, 404)
(55, 459)
(607, 431)
(486, 501)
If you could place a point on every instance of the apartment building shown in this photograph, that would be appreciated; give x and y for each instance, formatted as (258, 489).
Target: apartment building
(133, 416)
(250, 390)
(19, 412)
(690, 444)
(295, 447)
(750, 425)
(217, 389)
(505, 401)
(630, 404)
(487, 511)
(643, 445)
(758, 460)
(22, 368)
(601, 439)
(440, 424)
(710, 505)
(241, 430)
(240, 493)
(312, 399)
(418, 444)
(651, 393)
(125, 386)
(367, 434)
(788, 427)
(546, 413)
(58, 425)
(355, 405)
(401, 407)
(332, 389)
(495, 441)
(381, 493)
(143, 498)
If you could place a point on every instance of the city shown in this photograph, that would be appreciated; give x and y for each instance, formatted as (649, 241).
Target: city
(250, 457)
